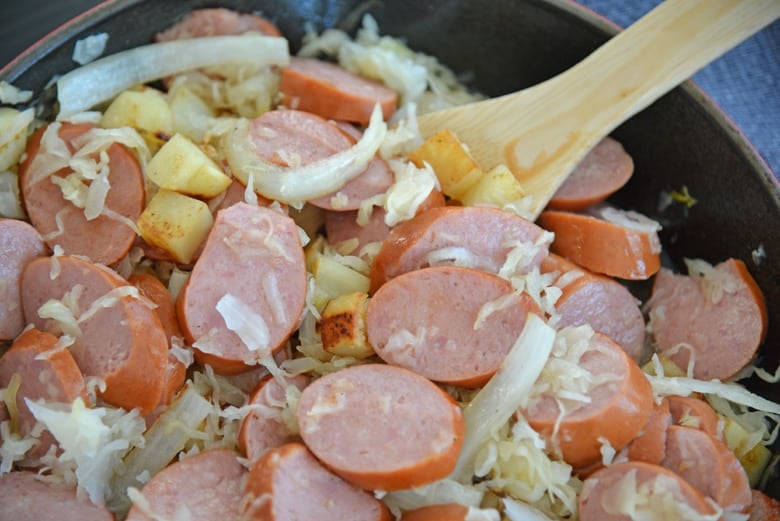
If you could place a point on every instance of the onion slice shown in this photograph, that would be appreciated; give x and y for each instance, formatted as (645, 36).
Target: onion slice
(299, 184)
(103, 79)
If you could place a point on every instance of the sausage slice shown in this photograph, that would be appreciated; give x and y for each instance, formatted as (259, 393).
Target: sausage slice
(366, 424)
(452, 325)
(21, 243)
(288, 484)
(216, 21)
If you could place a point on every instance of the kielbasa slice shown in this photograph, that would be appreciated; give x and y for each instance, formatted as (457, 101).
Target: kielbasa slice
(27, 497)
(693, 412)
(477, 237)
(444, 512)
(118, 337)
(333, 92)
(215, 22)
(293, 138)
(707, 463)
(264, 429)
(21, 244)
(365, 424)
(619, 397)
(719, 318)
(764, 508)
(602, 172)
(288, 484)
(650, 445)
(252, 269)
(604, 304)
(449, 324)
(47, 373)
(203, 487)
(104, 239)
(618, 491)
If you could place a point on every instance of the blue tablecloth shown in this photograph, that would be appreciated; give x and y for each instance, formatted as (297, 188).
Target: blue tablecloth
(745, 82)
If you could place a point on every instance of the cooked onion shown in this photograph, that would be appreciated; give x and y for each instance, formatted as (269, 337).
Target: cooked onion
(296, 185)
(101, 80)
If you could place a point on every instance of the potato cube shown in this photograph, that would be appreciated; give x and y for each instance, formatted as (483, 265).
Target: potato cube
(754, 460)
(145, 110)
(335, 279)
(176, 223)
(182, 166)
(343, 326)
(495, 188)
(13, 135)
(456, 170)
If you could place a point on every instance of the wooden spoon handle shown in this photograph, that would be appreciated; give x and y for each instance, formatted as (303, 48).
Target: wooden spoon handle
(542, 133)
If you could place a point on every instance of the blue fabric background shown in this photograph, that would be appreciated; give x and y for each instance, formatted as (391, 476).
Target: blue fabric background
(745, 82)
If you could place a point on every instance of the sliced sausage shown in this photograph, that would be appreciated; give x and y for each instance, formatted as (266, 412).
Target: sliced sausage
(203, 487)
(764, 508)
(604, 304)
(122, 342)
(444, 512)
(47, 373)
(617, 249)
(289, 484)
(21, 244)
(602, 172)
(30, 497)
(720, 318)
(638, 490)
(253, 269)
(477, 237)
(707, 463)
(153, 289)
(292, 138)
(620, 399)
(364, 423)
(215, 22)
(104, 239)
(264, 429)
(333, 92)
(693, 412)
(449, 324)
(650, 445)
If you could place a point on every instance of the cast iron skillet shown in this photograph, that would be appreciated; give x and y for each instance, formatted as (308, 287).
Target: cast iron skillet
(682, 139)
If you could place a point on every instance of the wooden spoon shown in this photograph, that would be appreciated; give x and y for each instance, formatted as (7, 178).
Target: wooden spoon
(542, 132)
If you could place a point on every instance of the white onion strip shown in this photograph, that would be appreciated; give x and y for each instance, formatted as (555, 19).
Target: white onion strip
(298, 184)
(99, 81)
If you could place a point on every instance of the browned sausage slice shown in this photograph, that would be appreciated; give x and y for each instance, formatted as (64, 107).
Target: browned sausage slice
(293, 138)
(47, 373)
(104, 239)
(264, 429)
(476, 237)
(214, 22)
(707, 463)
(617, 491)
(604, 304)
(288, 483)
(620, 399)
(364, 423)
(720, 317)
(602, 172)
(119, 339)
(251, 273)
(333, 92)
(451, 325)
(20, 244)
(29, 498)
(203, 487)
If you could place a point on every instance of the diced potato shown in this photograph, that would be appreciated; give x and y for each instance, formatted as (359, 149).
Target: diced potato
(182, 166)
(192, 116)
(495, 188)
(343, 326)
(755, 460)
(335, 279)
(456, 170)
(13, 135)
(176, 223)
(313, 250)
(670, 368)
(145, 110)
